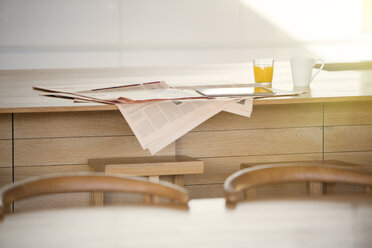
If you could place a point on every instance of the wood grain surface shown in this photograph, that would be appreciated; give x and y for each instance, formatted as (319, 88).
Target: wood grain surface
(348, 113)
(5, 126)
(76, 150)
(251, 142)
(5, 153)
(275, 116)
(348, 138)
(80, 124)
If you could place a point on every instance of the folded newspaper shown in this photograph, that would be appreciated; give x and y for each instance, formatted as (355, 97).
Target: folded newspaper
(158, 114)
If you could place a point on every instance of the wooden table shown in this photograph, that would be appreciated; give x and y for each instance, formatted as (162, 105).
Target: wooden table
(265, 223)
(40, 135)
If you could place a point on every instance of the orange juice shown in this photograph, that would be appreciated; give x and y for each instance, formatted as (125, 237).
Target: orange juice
(263, 74)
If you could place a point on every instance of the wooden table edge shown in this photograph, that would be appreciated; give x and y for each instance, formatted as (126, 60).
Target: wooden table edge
(266, 101)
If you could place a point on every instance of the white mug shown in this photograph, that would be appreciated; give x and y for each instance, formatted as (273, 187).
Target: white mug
(302, 69)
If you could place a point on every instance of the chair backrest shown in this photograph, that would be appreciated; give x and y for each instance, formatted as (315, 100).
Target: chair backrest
(274, 173)
(87, 182)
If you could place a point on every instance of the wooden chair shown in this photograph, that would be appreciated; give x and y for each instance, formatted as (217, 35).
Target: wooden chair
(152, 167)
(278, 173)
(87, 182)
(313, 188)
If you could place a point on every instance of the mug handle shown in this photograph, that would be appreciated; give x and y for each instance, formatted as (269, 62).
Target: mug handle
(321, 67)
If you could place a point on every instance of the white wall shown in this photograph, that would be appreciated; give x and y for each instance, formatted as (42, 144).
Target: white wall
(111, 33)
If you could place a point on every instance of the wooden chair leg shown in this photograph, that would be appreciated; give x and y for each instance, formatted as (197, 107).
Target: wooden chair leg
(97, 198)
(179, 180)
(155, 179)
(314, 188)
(329, 188)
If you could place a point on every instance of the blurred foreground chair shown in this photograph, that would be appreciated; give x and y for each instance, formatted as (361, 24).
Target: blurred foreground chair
(87, 182)
(249, 178)
(312, 188)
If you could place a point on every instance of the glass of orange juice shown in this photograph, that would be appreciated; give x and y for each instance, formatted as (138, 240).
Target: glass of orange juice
(263, 72)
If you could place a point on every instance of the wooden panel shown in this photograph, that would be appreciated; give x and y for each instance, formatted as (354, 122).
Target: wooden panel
(5, 126)
(340, 164)
(70, 124)
(347, 138)
(251, 142)
(5, 149)
(78, 150)
(5, 153)
(5, 176)
(274, 190)
(51, 201)
(273, 116)
(362, 158)
(348, 113)
(65, 200)
(121, 198)
(157, 169)
(23, 172)
(283, 189)
(216, 170)
(205, 191)
(349, 189)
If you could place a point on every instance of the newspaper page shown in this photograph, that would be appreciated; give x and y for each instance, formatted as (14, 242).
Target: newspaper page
(242, 106)
(82, 87)
(152, 121)
(182, 130)
(108, 94)
(125, 93)
(158, 124)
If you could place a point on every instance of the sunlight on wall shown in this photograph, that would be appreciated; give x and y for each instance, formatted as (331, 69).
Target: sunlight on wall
(315, 20)
(329, 29)
(367, 17)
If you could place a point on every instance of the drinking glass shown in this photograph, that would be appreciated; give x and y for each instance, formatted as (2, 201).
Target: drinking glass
(263, 72)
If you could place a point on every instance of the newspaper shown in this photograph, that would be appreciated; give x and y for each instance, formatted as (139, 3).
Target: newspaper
(129, 93)
(158, 124)
(241, 107)
(180, 131)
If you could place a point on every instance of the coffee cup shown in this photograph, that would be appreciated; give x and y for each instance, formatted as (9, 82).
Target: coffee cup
(302, 68)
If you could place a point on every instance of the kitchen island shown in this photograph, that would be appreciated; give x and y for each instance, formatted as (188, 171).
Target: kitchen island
(332, 120)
